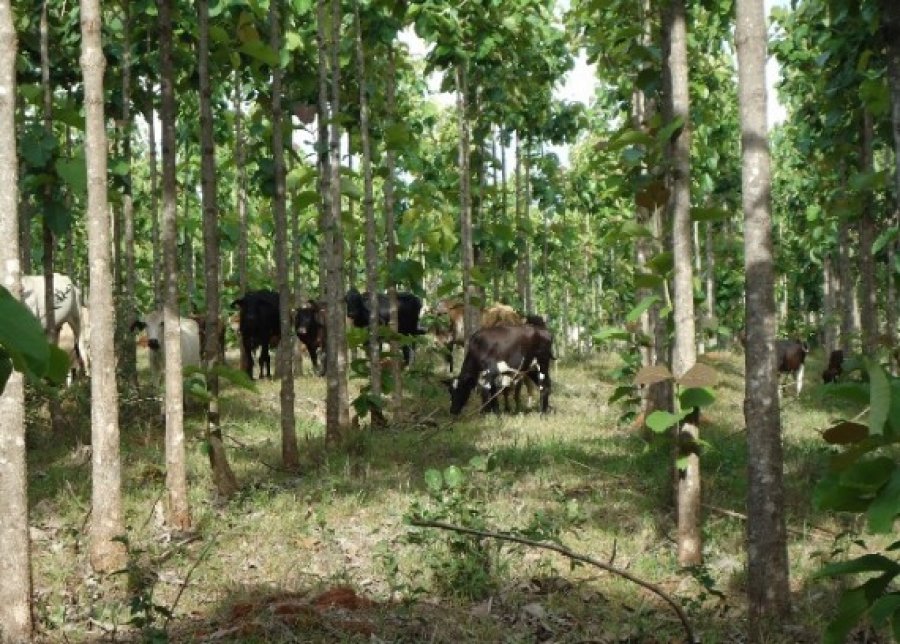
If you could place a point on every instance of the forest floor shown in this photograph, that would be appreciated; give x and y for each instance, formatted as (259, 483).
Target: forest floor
(324, 554)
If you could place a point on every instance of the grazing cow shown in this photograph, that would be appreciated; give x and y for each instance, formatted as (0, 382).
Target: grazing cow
(790, 355)
(497, 357)
(835, 366)
(152, 323)
(505, 315)
(67, 303)
(309, 324)
(221, 326)
(449, 328)
(260, 326)
(408, 308)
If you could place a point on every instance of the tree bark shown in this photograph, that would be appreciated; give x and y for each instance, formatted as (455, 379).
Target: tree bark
(15, 561)
(369, 213)
(126, 348)
(390, 226)
(106, 476)
(890, 25)
(337, 414)
(223, 477)
(768, 589)
(867, 306)
(177, 508)
(470, 323)
(289, 453)
(154, 206)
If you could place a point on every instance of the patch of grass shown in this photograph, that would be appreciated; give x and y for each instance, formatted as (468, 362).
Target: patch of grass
(288, 537)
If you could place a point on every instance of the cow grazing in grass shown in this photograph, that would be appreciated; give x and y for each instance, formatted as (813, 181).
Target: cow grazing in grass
(309, 324)
(791, 355)
(835, 366)
(260, 326)
(498, 357)
(152, 324)
(408, 308)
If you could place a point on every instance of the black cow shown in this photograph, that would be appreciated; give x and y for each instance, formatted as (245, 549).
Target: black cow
(259, 324)
(790, 355)
(835, 366)
(408, 308)
(499, 357)
(309, 324)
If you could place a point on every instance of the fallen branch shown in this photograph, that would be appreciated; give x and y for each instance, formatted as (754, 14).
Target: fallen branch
(743, 517)
(571, 555)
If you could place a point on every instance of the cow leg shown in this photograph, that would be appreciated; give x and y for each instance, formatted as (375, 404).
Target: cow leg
(265, 361)
(544, 388)
(799, 380)
(247, 355)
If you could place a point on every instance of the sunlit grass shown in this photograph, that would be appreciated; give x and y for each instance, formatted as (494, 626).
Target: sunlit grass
(340, 518)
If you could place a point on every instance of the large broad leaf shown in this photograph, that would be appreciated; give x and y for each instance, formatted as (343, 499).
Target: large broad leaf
(880, 397)
(305, 199)
(660, 421)
(865, 563)
(662, 263)
(868, 475)
(642, 306)
(846, 433)
(22, 336)
(6, 368)
(885, 506)
(831, 495)
(884, 239)
(237, 377)
(852, 391)
(604, 335)
(696, 397)
(648, 280)
(652, 374)
(852, 606)
(260, 51)
(700, 375)
(709, 213)
(74, 172)
(884, 608)
(454, 477)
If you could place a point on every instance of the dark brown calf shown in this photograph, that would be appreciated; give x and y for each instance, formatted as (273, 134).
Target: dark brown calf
(791, 355)
(835, 366)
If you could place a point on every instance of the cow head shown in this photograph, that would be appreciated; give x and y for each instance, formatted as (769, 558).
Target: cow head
(356, 307)
(152, 323)
(460, 390)
(307, 318)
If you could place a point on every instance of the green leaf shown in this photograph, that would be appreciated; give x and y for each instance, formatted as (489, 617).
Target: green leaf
(696, 397)
(660, 421)
(454, 476)
(74, 172)
(433, 480)
(648, 280)
(605, 335)
(851, 391)
(6, 369)
(642, 306)
(885, 506)
(22, 336)
(868, 475)
(884, 239)
(396, 137)
(665, 133)
(350, 189)
(260, 51)
(709, 213)
(864, 563)
(831, 495)
(237, 377)
(57, 365)
(662, 263)
(880, 396)
(851, 607)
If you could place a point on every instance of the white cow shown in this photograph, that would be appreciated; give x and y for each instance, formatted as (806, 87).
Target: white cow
(67, 304)
(190, 343)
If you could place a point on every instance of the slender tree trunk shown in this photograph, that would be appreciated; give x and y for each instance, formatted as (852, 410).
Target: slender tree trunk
(768, 589)
(126, 347)
(324, 181)
(106, 476)
(177, 509)
(847, 288)
(697, 251)
(187, 248)
(289, 454)
(711, 286)
(223, 477)
(527, 303)
(830, 329)
(390, 225)
(465, 202)
(521, 235)
(240, 184)
(690, 538)
(337, 404)
(15, 560)
(154, 207)
(47, 235)
(867, 306)
(890, 25)
(369, 213)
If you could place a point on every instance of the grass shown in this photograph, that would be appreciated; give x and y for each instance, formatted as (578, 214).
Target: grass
(323, 554)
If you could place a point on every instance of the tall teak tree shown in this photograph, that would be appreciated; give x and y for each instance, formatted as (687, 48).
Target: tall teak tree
(767, 564)
(15, 560)
(106, 553)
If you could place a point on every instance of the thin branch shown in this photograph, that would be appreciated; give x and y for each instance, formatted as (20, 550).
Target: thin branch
(187, 579)
(571, 555)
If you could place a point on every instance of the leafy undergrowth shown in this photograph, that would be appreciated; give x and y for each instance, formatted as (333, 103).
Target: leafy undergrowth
(324, 555)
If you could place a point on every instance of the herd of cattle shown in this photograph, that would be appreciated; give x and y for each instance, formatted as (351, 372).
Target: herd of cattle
(508, 351)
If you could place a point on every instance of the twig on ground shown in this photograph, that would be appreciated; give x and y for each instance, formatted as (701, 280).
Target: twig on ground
(743, 517)
(162, 491)
(187, 579)
(571, 555)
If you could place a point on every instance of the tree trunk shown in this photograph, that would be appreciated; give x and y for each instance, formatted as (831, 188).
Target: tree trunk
(890, 25)
(177, 509)
(106, 476)
(15, 561)
(240, 186)
(830, 329)
(371, 231)
(323, 161)
(126, 347)
(527, 303)
(223, 477)
(289, 454)
(867, 306)
(847, 288)
(390, 225)
(768, 589)
(470, 323)
(337, 404)
(713, 334)
(690, 538)
(154, 207)
(521, 235)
